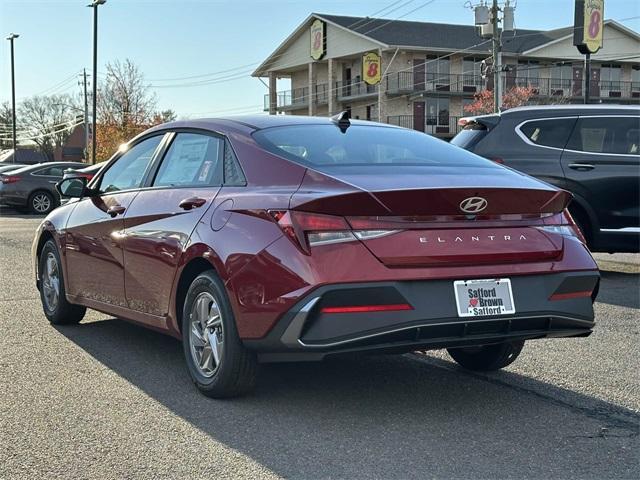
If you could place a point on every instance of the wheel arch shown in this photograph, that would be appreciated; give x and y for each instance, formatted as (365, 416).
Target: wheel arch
(197, 260)
(582, 212)
(44, 237)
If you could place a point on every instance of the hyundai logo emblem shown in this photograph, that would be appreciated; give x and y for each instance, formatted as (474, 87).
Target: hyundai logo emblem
(473, 205)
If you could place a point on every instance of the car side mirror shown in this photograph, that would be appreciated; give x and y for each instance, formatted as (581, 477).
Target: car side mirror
(72, 187)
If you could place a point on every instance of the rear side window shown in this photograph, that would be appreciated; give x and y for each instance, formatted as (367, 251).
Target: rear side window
(548, 133)
(320, 146)
(192, 160)
(57, 171)
(233, 176)
(618, 135)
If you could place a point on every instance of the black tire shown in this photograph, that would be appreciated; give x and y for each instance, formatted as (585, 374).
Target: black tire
(60, 312)
(41, 202)
(487, 357)
(236, 371)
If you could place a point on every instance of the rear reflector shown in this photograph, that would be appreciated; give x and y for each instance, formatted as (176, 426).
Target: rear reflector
(567, 296)
(368, 308)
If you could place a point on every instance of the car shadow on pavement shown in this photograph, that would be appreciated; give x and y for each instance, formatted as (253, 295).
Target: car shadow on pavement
(382, 417)
(620, 288)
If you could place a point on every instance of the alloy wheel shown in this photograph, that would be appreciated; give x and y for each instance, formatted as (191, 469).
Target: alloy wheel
(206, 334)
(41, 203)
(51, 282)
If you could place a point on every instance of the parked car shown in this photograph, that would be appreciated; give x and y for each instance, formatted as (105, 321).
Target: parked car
(87, 172)
(591, 150)
(275, 238)
(6, 167)
(33, 187)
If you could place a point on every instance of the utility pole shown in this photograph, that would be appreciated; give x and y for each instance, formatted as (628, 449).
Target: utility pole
(11, 38)
(487, 20)
(587, 77)
(86, 114)
(95, 4)
(497, 57)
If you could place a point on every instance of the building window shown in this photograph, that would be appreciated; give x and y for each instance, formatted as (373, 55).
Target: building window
(561, 75)
(472, 72)
(438, 70)
(610, 76)
(528, 73)
(437, 111)
(635, 79)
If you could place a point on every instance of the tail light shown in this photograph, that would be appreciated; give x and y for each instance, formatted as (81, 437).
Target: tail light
(563, 224)
(9, 179)
(308, 230)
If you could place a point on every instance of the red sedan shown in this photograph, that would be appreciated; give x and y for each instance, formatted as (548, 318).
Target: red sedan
(283, 238)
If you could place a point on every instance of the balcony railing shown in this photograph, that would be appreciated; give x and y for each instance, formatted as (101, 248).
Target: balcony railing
(298, 97)
(440, 125)
(350, 90)
(407, 82)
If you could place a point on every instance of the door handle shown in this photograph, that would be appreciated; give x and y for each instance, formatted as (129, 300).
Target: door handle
(115, 210)
(581, 166)
(192, 202)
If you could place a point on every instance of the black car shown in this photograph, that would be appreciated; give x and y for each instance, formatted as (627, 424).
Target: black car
(591, 150)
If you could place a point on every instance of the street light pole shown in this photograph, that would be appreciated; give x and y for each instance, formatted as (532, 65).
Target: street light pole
(95, 5)
(86, 115)
(11, 38)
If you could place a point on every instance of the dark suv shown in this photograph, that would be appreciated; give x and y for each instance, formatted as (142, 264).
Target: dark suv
(591, 150)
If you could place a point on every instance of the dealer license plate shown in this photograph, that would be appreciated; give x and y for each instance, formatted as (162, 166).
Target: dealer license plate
(482, 298)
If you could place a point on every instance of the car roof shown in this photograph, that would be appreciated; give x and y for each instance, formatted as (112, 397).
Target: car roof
(559, 110)
(258, 122)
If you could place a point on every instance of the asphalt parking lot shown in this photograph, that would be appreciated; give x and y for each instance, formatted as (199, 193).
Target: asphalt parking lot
(107, 399)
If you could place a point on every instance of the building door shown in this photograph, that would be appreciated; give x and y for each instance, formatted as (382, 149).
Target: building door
(511, 76)
(347, 82)
(594, 83)
(418, 116)
(577, 82)
(419, 73)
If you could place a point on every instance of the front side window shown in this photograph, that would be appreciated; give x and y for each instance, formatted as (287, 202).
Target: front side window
(618, 135)
(128, 171)
(548, 133)
(325, 147)
(192, 160)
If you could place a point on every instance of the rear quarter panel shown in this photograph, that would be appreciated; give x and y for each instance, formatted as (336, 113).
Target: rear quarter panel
(504, 143)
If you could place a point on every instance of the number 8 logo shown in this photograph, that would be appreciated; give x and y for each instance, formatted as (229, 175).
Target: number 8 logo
(594, 26)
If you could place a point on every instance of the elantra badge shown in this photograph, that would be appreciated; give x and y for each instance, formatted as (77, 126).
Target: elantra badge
(473, 205)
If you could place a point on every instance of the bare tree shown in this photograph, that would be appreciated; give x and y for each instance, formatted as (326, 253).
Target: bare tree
(124, 99)
(6, 122)
(126, 107)
(48, 121)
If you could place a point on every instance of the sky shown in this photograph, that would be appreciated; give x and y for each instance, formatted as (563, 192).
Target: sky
(174, 39)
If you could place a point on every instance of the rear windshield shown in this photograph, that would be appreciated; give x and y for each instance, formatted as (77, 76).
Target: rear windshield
(469, 136)
(320, 146)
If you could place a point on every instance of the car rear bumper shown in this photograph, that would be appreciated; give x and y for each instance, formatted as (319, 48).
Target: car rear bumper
(433, 321)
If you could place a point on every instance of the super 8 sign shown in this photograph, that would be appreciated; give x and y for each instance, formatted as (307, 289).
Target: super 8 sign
(588, 25)
(371, 68)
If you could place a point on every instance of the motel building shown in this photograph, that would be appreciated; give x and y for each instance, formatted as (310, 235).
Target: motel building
(421, 75)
